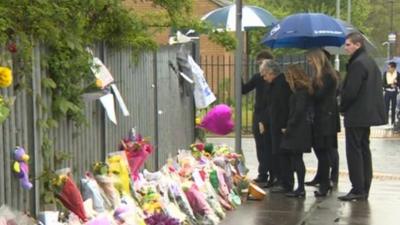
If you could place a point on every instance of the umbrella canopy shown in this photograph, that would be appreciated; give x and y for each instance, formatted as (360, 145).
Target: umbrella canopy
(306, 30)
(252, 16)
(349, 29)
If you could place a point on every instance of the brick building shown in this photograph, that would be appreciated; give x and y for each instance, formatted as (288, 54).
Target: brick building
(217, 63)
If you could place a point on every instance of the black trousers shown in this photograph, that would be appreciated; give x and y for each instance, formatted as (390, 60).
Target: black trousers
(292, 163)
(391, 100)
(323, 166)
(272, 159)
(359, 160)
(333, 161)
(261, 149)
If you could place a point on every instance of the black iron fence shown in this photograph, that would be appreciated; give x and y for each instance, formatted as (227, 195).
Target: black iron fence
(219, 73)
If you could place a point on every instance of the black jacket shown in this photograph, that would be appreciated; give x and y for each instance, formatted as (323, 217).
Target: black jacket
(326, 112)
(277, 96)
(361, 96)
(258, 84)
(385, 83)
(297, 138)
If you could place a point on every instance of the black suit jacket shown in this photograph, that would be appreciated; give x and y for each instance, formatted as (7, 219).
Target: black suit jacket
(277, 95)
(258, 84)
(297, 138)
(362, 96)
(326, 117)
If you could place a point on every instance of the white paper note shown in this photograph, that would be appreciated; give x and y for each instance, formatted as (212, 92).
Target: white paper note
(108, 103)
(120, 100)
(101, 72)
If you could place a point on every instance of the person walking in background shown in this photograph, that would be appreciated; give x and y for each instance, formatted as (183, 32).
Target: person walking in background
(325, 122)
(296, 137)
(258, 84)
(391, 81)
(362, 105)
(277, 99)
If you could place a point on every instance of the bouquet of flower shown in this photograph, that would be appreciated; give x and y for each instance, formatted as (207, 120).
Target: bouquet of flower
(69, 195)
(91, 190)
(137, 150)
(106, 181)
(161, 219)
(118, 166)
(151, 201)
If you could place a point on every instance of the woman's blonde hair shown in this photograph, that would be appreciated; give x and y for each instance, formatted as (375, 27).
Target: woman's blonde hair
(322, 66)
(297, 78)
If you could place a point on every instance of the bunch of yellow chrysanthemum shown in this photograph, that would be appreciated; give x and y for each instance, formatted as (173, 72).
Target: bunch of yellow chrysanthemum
(5, 77)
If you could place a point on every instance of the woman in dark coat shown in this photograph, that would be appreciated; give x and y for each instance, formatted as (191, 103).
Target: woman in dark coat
(326, 120)
(297, 134)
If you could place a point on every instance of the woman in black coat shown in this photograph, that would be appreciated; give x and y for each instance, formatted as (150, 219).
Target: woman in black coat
(296, 137)
(326, 120)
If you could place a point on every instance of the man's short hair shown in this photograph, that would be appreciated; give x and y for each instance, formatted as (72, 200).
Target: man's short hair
(264, 54)
(356, 37)
(392, 64)
(271, 65)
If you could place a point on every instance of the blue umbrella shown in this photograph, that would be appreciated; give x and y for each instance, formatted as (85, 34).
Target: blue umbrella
(306, 30)
(252, 16)
(349, 29)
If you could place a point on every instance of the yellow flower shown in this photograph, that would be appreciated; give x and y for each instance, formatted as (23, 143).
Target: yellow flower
(5, 77)
(198, 121)
(99, 83)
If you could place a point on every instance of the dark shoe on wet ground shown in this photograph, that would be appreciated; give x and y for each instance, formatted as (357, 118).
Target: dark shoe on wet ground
(279, 189)
(261, 179)
(314, 183)
(299, 193)
(353, 197)
(271, 183)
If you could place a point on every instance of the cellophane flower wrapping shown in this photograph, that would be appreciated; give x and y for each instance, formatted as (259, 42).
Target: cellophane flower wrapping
(91, 190)
(9, 216)
(105, 181)
(163, 180)
(70, 197)
(176, 193)
(118, 166)
(129, 213)
(212, 199)
(150, 199)
(137, 150)
(201, 208)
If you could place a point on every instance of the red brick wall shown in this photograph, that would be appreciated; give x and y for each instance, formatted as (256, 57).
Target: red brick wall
(200, 8)
(210, 53)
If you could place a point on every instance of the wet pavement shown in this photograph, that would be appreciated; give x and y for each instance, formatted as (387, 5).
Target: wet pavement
(382, 207)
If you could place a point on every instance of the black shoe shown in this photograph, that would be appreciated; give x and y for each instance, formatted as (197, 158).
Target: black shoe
(279, 189)
(261, 179)
(271, 183)
(314, 183)
(296, 194)
(353, 197)
(323, 192)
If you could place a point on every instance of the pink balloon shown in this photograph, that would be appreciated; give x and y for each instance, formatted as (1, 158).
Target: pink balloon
(218, 120)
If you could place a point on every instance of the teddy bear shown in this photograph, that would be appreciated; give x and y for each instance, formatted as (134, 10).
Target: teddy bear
(21, 167)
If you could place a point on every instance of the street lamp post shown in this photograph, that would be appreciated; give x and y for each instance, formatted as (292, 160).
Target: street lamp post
(392, 35)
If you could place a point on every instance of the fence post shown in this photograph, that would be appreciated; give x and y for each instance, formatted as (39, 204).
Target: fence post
(155, 95)
(35, 132)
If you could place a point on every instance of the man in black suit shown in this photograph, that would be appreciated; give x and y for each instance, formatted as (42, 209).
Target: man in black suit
(258, 84)
(362, 106)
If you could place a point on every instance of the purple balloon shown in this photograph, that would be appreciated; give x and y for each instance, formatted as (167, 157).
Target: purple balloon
(218, 120)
